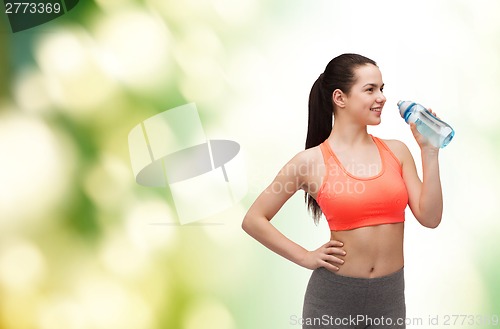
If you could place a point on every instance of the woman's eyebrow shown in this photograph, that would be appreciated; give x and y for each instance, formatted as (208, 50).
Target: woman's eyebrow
(373, 85)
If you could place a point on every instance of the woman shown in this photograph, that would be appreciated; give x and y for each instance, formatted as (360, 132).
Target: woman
(362, 185)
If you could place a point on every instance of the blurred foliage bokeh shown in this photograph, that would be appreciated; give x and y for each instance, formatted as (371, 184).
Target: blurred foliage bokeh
(81, 244)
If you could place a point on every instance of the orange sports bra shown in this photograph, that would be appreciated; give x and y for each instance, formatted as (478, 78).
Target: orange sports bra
(350, 202)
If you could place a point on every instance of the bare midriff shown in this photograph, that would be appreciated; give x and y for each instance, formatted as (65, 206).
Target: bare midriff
(371, 251)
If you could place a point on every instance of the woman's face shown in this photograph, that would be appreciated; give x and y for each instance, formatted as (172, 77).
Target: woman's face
(365, 101)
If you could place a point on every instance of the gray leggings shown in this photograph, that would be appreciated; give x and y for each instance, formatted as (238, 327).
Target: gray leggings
(341, 302)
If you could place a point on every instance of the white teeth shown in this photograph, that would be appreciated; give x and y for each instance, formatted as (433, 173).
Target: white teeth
(376, 109)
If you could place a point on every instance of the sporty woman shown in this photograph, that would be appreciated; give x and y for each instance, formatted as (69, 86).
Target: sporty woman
(362, 185)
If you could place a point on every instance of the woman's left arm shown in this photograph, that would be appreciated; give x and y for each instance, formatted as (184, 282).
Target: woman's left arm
(425, 197)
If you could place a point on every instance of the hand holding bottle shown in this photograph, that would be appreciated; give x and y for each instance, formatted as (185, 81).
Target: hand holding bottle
(422, 141)
(436, 132)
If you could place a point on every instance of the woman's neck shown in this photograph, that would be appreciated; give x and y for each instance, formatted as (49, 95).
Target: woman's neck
(349, 134)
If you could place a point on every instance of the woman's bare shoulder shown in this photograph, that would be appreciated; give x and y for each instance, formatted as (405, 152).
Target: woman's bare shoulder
(304, 162)
(397, 147)
(308, 156)
(394, 143)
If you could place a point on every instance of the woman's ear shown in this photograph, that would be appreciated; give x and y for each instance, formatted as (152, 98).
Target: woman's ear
(338, 98)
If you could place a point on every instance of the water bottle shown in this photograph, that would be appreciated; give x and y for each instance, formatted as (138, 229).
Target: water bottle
(438, 132)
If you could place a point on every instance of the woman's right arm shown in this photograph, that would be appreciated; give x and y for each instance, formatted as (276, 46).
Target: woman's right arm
(257, 221)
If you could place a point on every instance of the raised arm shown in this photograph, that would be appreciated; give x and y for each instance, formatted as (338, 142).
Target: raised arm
(425, 197)
(257, 220)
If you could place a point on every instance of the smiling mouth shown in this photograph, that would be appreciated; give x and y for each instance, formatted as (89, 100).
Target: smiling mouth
(376, 109)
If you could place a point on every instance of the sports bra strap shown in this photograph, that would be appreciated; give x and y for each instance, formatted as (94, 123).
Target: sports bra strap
(325, 152)
(387, 149)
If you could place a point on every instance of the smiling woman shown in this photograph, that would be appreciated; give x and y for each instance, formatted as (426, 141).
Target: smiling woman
(359, 272)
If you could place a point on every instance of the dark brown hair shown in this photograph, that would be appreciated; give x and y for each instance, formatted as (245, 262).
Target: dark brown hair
(338, 74)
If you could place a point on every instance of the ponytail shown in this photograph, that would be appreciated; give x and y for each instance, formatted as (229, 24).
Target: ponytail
(318, 129)
(320, 115)
(339, 74)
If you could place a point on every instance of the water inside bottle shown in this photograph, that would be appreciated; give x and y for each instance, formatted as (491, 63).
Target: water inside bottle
(428, 132)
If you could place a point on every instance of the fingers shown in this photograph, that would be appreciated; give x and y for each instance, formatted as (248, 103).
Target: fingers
(335, 251)
(413, 127)
(325, 255)
(330, 267)
(333, 247)
(433, 113)
(334, 243)
(332, 263)
(332, 259)
(414, 130)
(421, 139)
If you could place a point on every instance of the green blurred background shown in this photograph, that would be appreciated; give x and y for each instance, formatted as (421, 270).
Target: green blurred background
(83, 246)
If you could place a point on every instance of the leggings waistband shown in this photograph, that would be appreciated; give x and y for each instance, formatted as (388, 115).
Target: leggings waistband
(359, 281)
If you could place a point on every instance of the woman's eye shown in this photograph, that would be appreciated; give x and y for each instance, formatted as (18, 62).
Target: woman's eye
(369, 89)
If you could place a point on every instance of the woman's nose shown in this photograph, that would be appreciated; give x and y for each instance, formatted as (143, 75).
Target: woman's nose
(381, 98)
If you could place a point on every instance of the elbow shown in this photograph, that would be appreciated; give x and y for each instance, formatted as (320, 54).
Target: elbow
(252, 224)
(245, 225)
(248, 224)
(429, 218)
(432, 226)
(432, 223)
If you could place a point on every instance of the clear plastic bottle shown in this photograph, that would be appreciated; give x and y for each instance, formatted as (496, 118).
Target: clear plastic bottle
(438, 132)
